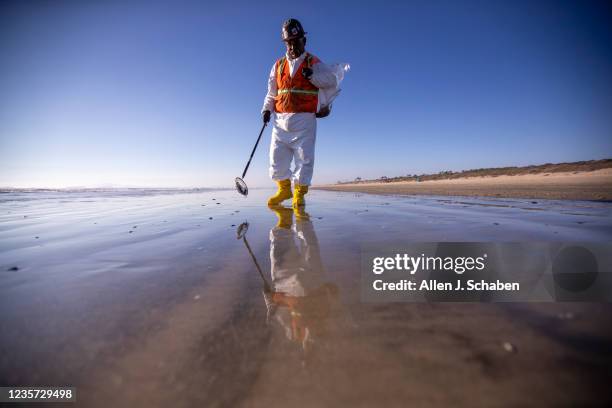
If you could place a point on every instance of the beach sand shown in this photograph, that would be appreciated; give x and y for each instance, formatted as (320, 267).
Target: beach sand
(589, 185)
(151, 300)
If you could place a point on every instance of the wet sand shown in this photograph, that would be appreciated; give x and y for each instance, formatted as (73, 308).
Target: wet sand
(592, 185)
(175, 312)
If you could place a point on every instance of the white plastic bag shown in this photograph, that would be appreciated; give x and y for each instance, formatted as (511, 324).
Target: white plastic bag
(327, 95)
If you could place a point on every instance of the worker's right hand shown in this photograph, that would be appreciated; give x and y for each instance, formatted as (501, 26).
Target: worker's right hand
(266, 116)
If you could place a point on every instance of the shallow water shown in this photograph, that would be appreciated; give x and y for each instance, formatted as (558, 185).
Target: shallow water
(150, 299)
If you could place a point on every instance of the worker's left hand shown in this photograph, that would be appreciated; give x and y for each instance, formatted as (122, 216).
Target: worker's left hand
(307, 72)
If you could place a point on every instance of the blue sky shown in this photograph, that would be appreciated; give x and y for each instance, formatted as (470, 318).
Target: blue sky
(169, 93)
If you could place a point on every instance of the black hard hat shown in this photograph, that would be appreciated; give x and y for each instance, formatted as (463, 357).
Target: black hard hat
(292, 29)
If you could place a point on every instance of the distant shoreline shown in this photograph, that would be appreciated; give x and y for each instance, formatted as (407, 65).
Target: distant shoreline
(575, 185)
(571, 167)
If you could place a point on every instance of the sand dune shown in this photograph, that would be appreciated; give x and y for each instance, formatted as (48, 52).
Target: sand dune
(592, 185)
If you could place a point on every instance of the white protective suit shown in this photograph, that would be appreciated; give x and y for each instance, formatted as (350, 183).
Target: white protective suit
(296, 269)
(294, 134)
(295, 260)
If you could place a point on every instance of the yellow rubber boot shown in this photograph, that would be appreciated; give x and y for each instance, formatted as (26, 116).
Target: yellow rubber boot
(285, 216)
(301, 214)
(298, 195)
(283, 193)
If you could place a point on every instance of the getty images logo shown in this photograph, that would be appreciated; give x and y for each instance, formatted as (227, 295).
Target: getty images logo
(405, 262)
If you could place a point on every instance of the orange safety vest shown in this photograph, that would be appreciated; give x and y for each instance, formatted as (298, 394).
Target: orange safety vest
(295, 94)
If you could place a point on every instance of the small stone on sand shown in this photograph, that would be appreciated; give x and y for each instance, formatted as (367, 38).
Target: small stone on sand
(509, 347)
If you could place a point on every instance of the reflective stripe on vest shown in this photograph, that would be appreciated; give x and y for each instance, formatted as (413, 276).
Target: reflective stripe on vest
(295, 90)
(281, 66)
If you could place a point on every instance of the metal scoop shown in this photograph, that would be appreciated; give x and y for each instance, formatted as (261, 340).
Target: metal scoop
(240, 184)
(241, 234)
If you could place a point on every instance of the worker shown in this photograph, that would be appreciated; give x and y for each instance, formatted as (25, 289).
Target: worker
(293, 97)
(300, 298)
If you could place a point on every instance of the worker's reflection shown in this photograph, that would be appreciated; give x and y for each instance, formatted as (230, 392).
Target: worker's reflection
(300, 297)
